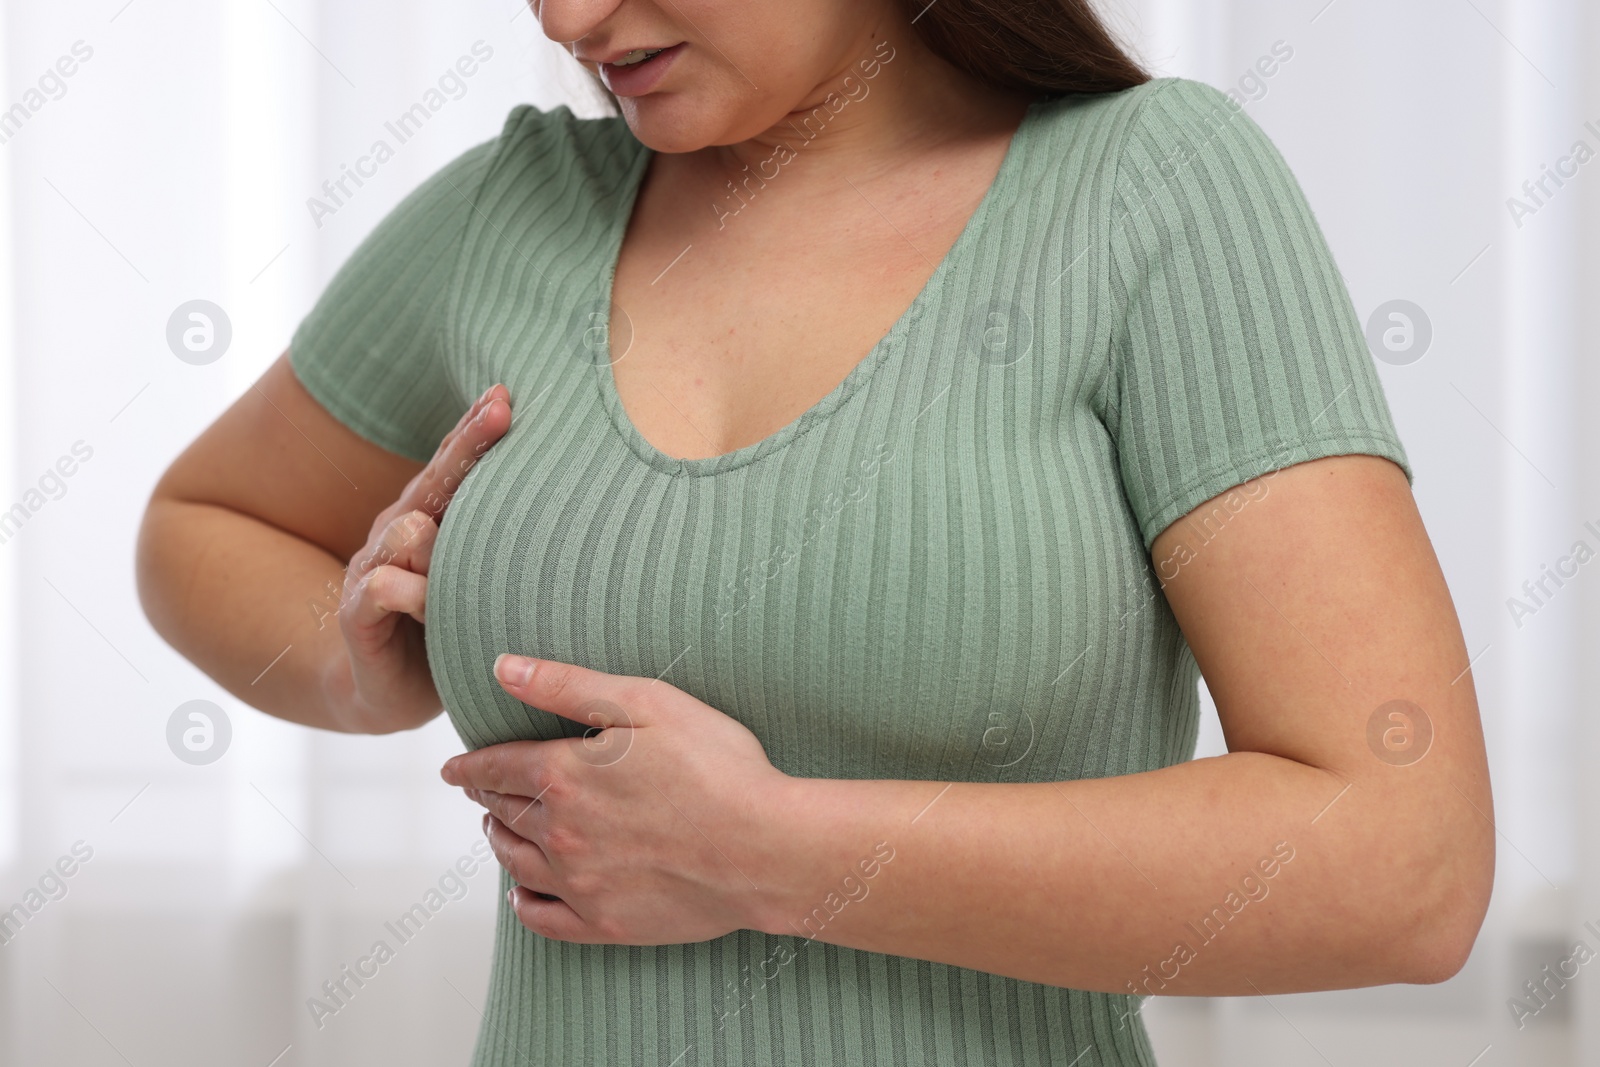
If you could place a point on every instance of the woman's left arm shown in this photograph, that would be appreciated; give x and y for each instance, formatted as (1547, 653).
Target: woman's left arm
(1344, 840)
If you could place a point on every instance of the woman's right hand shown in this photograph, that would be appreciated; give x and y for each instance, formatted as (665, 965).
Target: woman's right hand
(381, 682)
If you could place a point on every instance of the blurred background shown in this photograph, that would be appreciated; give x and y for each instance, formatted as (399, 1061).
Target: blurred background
(192, 896)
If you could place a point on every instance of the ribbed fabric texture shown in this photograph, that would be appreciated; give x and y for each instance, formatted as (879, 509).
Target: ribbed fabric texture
(939, 572)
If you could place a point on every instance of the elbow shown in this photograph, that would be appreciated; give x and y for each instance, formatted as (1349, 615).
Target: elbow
(154, 566)
(1452, 900)
(1438, 954)
(169, 551)
(147, 563)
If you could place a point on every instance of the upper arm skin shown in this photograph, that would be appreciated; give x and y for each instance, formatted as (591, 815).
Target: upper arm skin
(279, 456)
(243, 550)
(1310, 597)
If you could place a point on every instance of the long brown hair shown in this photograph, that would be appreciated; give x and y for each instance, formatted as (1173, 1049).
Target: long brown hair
(1046, 47)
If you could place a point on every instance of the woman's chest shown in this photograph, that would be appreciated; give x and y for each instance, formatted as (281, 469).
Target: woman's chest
(893, 592)
(930, 572)
(726, 326)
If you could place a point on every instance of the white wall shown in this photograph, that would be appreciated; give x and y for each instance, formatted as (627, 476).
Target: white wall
(177, 166)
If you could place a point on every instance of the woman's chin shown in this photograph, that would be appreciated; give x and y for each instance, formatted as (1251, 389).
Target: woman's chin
(667, 128)
(682, 122)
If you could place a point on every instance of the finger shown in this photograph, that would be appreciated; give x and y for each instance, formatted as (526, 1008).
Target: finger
(477, 406)
(592, 698)
(431, 486)
(496, 391)
(406, 541)
(524, 815)
(458, 451)
(524, 860)
(554, 919)
(517, 768)
(386, 591)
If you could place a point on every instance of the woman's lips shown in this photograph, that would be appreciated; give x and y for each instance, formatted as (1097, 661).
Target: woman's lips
(636, 79)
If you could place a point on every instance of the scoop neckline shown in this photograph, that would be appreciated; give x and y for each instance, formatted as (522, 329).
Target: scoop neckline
(993, 200)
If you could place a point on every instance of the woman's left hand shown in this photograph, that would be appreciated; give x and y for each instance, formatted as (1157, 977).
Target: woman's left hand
(648, 832)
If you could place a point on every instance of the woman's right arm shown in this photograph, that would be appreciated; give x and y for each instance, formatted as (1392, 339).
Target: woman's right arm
(248, 538)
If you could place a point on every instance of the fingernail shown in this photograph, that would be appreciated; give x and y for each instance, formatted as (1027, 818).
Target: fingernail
(485, 824)
(513, 669)
(448, 772)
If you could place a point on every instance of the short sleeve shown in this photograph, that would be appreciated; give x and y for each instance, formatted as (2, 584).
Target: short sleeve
(369, 349)
(1236, 349)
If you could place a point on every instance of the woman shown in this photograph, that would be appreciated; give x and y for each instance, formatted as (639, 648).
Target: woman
(879, 427)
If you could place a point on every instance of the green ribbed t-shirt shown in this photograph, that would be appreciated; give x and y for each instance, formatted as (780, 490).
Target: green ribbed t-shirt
(939, 572)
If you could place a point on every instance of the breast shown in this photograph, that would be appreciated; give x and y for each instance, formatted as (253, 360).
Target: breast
(871, 601)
